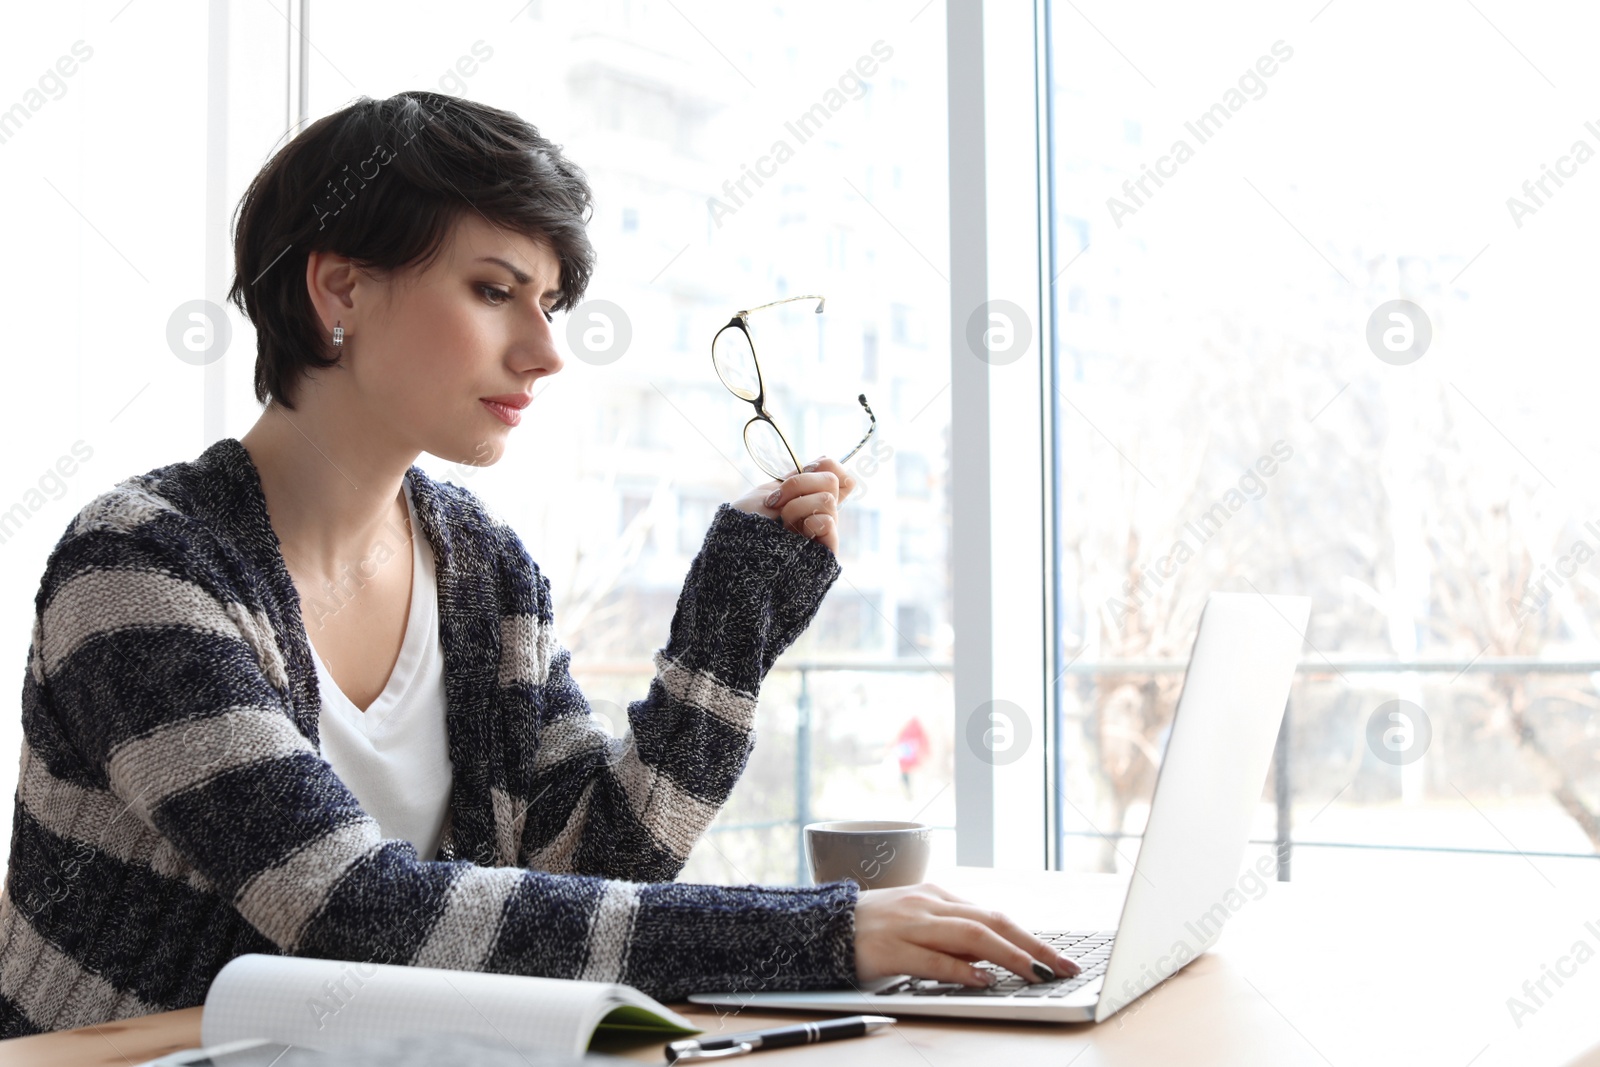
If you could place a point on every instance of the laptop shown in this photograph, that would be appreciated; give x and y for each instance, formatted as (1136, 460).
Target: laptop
(1223, 732)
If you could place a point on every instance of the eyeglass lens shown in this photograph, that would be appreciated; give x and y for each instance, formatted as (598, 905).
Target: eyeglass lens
(736, 363)
(767, 449)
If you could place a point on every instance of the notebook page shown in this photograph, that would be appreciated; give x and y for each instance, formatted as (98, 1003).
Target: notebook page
(322, 1004)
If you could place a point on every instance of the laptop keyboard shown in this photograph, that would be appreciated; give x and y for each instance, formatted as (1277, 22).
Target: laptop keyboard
(1091, 949)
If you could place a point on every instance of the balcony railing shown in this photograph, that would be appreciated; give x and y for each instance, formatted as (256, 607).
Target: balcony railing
(1283, 840)
(803, 735)
(1318, 666)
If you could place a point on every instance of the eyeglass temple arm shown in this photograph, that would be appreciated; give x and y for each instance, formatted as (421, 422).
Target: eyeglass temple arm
(862, 399)
(787, 300)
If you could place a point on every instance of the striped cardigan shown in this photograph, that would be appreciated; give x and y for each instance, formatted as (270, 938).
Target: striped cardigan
(173, 810)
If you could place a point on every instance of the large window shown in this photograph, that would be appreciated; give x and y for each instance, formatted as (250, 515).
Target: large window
(1297, 337)
(738, 155)
(1320, 309)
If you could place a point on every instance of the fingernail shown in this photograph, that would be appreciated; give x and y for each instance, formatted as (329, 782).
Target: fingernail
(1045, 974)
(810, 466)
(988, 978)
(773, 498)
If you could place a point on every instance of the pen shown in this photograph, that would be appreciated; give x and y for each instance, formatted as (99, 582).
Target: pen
(697, 1050)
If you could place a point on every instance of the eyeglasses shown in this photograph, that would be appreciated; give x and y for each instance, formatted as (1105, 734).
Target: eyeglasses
(734, 356)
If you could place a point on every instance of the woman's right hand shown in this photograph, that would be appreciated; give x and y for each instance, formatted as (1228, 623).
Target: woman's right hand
(928, 932)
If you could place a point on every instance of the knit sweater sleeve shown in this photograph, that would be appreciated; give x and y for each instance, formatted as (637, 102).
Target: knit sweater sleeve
(633, 807)
(164, 674)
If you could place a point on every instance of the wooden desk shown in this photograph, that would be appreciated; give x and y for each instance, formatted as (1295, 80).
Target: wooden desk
(1301, 976)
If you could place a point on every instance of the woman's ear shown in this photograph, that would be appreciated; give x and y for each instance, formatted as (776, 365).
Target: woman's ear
(331, 281)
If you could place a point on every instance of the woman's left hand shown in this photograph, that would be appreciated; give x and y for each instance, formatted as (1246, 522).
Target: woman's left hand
(807, 503)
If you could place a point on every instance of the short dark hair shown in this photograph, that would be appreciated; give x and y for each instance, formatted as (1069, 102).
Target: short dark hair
(384, 182)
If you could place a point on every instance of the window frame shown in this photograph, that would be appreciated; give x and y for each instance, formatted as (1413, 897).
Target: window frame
(1002, 501)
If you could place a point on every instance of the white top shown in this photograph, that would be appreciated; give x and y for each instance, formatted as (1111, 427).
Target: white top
(395, 756)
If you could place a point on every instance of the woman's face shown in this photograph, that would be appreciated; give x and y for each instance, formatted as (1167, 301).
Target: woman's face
(443, 360)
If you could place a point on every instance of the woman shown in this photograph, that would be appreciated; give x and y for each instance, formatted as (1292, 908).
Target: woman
(237, 741)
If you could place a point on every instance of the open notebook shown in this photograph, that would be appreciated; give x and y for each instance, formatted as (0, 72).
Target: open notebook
(331, 1005)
